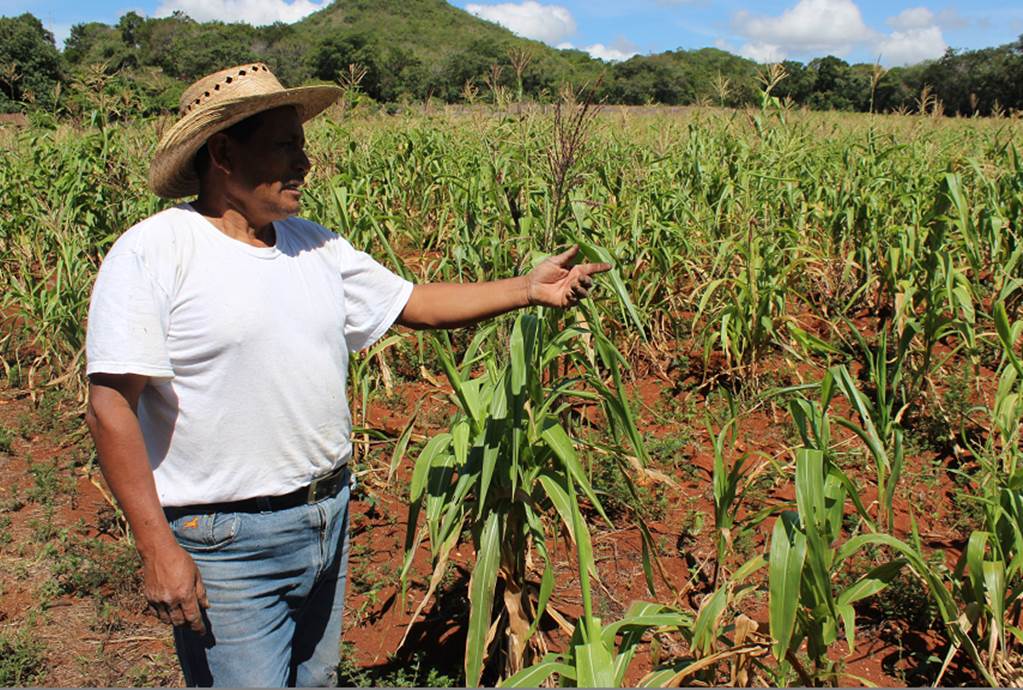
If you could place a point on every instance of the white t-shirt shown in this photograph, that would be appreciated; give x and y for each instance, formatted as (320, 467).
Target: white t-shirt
(247, 349)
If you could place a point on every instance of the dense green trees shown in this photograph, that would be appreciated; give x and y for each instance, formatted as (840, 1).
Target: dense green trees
(978, 80)
(411, 49)
(30, 66)
(96, 43)
(391, 72)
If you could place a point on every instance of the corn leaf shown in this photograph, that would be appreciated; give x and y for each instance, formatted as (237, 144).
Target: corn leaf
(558, 441)
(785, 570)
(534, 676)
(481, 598)
(594, 665)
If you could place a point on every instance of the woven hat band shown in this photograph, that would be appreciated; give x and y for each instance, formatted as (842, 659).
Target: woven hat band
(236, 82)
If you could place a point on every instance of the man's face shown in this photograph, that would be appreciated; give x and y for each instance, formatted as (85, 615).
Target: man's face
(269, 167)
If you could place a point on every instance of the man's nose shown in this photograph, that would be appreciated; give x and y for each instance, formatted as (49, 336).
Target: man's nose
(304, 164)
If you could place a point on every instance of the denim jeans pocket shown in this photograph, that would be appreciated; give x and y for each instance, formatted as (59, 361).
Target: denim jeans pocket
(206, 532)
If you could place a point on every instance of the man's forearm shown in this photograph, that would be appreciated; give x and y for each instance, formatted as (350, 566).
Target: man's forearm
(452, 305)
(122, 458)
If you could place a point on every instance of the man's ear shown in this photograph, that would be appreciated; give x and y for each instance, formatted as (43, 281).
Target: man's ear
(219, 147)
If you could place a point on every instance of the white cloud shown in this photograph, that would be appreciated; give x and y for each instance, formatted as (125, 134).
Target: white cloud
(551, 24)
(917, 36)
(912, 46)
(810, 26)
(256, 12)
(621, 50)
(609, 53)
(813, 28)
(762, 52)
(912, 18)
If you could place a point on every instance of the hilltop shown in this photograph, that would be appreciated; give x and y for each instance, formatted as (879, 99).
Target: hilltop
(410, 48)
(431, 29)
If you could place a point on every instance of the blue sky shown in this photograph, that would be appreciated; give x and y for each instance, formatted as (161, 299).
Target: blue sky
(857, 30)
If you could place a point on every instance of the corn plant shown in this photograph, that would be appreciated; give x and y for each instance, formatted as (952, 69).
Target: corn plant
(805, 603)
(813, 422)
(988, 577)
(1003, 452)
(506, 464)
(726, 484)
(744, 309)
(879, 432)
(804, 560)
(989, 583)
(930, 296)
(712, 642)
(600, 663)
(593, 659)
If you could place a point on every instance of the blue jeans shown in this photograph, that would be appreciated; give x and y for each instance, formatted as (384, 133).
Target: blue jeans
(275, 583)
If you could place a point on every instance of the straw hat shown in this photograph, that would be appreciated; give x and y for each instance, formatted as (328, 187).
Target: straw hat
(213, 104)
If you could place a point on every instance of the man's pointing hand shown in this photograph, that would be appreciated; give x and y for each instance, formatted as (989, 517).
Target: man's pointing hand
(557, 283)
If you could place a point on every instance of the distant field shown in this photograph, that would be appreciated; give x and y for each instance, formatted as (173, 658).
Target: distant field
(781, 444)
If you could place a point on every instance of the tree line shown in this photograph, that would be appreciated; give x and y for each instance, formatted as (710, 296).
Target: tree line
(141, 65)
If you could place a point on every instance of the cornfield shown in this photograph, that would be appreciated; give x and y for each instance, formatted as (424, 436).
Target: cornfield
(854, 282)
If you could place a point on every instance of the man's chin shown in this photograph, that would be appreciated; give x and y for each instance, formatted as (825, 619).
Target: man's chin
(287, 208)
(292, 202)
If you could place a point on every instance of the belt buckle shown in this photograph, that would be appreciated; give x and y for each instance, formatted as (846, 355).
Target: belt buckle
(313, 496)
(322, 486)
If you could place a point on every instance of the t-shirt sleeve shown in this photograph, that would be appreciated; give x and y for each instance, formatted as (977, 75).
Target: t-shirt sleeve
(374, 297)
(128, 319)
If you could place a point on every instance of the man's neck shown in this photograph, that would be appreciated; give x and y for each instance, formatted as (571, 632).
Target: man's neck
(234, 223)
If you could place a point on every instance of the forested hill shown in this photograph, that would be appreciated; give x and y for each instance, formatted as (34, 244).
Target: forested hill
(418, 49)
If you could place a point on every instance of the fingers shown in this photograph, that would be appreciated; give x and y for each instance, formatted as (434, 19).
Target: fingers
(162, 612)
(186, 613)
(192, 616)
(578, 292)
(565, 257)
(177, 616)
(202, 601)
(590, 269)
(200, 591)
(564, 285)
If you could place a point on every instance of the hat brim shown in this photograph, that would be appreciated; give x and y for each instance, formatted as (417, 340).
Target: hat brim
(172, 174)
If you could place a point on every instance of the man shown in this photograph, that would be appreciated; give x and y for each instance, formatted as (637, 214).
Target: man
(218, 343)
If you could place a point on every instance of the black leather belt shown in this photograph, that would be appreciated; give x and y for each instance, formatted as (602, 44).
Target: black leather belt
(322, 487)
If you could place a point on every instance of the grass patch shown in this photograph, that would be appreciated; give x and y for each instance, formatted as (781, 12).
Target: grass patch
(48, 481)
(412, 674)
(6, 439)
(612, 488)
(93, 567)
(21, 659)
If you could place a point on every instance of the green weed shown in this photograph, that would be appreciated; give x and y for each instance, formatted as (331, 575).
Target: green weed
(22, 660)
(89, 566)
(411, 674)
(6, 439)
